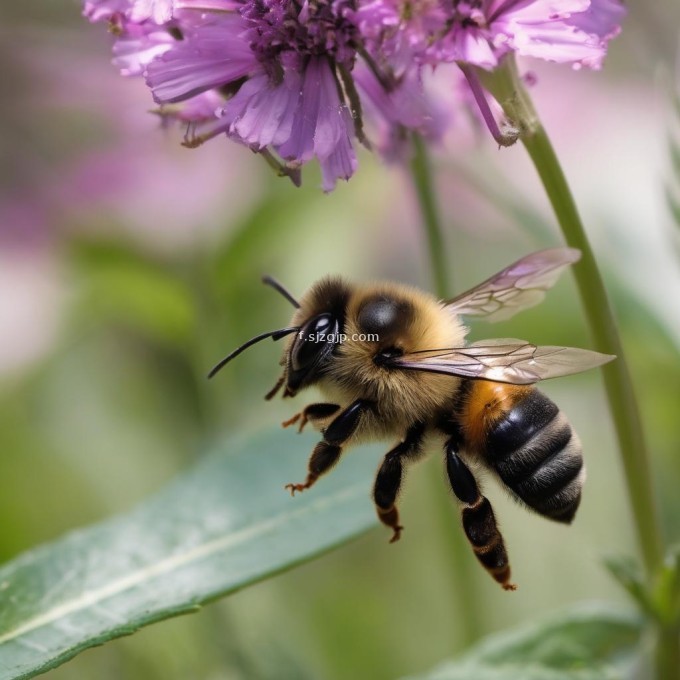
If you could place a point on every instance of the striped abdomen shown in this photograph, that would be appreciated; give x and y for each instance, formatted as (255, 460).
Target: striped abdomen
(527, 440)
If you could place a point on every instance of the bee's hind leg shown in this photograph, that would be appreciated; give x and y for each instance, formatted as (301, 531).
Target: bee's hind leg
(388, 479)
(327, 452)
(479, 521)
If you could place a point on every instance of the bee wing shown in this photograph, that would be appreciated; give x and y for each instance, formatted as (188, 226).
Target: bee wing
(507, 360)
(519, 286)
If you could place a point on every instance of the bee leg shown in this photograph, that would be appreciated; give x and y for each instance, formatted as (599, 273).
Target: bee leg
(478, 519)
(327, 452)
(272, 393)
(316, 413)
(388, 479)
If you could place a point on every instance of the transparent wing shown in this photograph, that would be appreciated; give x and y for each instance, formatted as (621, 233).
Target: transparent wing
(506, 360)
(519, 286)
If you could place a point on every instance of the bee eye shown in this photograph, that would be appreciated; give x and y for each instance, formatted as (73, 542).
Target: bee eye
(314, 340)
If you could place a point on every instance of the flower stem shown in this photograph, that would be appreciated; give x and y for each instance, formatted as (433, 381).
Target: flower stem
(421, 174)
(668, 654)
(617, 377)
(506, 86)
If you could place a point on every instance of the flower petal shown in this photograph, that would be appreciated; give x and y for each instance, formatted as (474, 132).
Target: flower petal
(341, 163)
(471, 45)
(262, 114)
(603, 18)
(393, 113)
(211, 55)
(572, 31)
(560, 42)
(322, 126)
(101, 10)
(138, 46)
(159, 11)
(536, 10)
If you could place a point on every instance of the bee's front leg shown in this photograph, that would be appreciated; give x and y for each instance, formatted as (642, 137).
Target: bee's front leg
(317, 414)
(327, 452)
(388, 479)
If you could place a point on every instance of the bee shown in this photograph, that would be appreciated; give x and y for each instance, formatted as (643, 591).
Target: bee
(392, 363)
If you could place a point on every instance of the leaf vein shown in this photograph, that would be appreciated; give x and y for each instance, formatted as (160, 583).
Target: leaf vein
(92, 598)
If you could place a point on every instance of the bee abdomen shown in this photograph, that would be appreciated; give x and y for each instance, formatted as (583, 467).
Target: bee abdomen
(538, 456)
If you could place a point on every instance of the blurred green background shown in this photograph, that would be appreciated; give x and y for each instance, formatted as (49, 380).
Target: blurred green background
(130, 265)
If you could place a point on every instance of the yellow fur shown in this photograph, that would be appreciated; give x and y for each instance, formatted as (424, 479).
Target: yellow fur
(403, 397)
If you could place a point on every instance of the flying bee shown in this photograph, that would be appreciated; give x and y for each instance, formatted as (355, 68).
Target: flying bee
(392, 363)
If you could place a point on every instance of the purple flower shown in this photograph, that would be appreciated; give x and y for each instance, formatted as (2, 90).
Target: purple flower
(282, 70)
(291, 79)
(481, 32)
(285, 70)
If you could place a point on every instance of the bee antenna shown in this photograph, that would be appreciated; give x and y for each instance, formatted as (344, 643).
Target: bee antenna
(274, 335)
(271, 281)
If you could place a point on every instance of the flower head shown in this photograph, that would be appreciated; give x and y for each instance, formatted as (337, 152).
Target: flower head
(282, 69)
(280, 72)
(481, 32)
(291, 79)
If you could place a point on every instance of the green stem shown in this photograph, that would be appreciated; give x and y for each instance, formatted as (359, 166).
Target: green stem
(507, 88)
(617, 379)
(459, 560)
(421, 174)
(668, 653)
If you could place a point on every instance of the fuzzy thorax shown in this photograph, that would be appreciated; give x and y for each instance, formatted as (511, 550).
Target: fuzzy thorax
(385, 317)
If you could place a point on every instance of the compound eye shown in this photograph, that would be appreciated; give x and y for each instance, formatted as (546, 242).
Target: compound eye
(313, 341)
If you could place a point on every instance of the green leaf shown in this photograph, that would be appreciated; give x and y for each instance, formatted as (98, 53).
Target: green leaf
(661, 601)
(222, 526)
(583, 643)
(627, 572)
(667, 590)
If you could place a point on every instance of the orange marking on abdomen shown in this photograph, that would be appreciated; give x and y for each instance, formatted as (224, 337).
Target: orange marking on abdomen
(485, 404)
